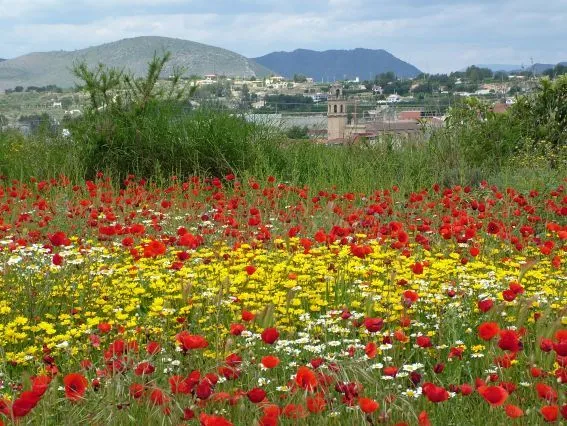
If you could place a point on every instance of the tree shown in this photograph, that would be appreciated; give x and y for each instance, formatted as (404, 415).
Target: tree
(477, 75)
(501, 76)
(18, 89)
(245, 93)
(299, 78)
(556, 71)
(298, 132)
(66, 102)
(385, 78)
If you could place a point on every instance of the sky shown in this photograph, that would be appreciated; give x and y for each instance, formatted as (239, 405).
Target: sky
(434, 35)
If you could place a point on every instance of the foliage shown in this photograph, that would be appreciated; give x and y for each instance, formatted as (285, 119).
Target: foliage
(297, 132)
(542, 116)
(535, 125)
(557, 70)
(136, 126)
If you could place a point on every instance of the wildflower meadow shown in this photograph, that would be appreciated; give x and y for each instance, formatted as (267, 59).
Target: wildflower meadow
(237, 301)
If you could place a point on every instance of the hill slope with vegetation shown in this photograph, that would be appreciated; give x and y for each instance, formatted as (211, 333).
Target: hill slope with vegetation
(40, 69)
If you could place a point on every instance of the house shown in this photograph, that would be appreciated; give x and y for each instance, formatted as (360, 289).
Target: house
(209, 79)
(409, 115)
(318, 97)
(56, 105)
(275, 79)
(510, 101)
(394, 98)
(377, 90)
(500, 108)
(258, 104)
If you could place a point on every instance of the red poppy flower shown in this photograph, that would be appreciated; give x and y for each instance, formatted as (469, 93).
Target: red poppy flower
(423, 419)
(236, 329)
(492, 228)
(144, 369)
(204, 390)
(179, 384)
(270, 335)
(188, 414)
(564, 411)
(373, 324)
(390, 371)
(59, 239)
(40, 384)
(294, 411)
(367, 405)
(485, 305)
(487, 330)
(316, 404)
(191, 341)
(423, 342)
(371, 350)
(75, 386)
(546, 345)
(136, 390)
(550, 413)
(270, 361)
(157, 397)
(435, 393)
(546, 392)
(494, 395)
(513, 411)
(256, 395)
(516, 287)
(410, 297)
(208, 420)
(417, 268)
(306, 379)
(247, 316)
(560, 347)
(153, 348)
(104, 327)
(57, 259)
(509, 341)
(465, 389)
(24, 404)
(268, 421)
(508, 295)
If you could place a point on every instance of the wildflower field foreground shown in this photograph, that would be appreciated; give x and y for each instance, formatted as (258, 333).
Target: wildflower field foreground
(219, 302)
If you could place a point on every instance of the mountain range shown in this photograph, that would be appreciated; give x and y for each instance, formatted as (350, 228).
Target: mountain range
(538, 68)
(331, 65)
(133, 54)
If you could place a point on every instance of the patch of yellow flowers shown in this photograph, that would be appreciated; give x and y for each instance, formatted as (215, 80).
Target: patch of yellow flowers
(150, 298)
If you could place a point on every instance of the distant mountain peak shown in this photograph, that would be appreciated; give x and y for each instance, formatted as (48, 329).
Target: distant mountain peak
(133, 54)
(337, 63)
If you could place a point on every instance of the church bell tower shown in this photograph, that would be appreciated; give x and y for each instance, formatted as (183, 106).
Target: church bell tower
(336, 113)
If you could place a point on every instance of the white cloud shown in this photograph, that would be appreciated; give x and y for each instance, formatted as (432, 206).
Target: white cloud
(435, 35)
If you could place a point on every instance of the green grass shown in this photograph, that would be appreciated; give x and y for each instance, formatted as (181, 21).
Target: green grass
(165, 140)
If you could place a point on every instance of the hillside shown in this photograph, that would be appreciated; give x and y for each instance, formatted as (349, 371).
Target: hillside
(41, 69)
(337, 64)
(538, 68)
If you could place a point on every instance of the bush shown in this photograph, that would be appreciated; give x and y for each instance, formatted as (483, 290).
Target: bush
(135, 126)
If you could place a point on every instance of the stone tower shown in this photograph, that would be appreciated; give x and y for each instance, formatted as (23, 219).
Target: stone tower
(336, 113)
